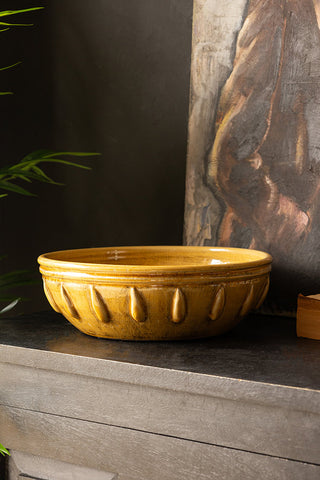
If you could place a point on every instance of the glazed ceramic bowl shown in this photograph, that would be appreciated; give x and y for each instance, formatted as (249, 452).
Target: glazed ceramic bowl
(155, 293)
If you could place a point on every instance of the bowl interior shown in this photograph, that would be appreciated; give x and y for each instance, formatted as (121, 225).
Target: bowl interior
(175, 257)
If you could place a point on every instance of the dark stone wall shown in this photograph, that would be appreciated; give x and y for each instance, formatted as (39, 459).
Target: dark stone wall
(103, 76)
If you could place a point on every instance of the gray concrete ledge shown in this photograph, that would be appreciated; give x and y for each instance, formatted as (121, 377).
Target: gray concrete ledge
(254, 390)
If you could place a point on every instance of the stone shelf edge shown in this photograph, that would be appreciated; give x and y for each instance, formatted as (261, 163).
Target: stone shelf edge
(61, 390)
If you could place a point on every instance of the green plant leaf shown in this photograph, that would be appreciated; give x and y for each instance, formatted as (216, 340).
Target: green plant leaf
(9, 173)
(61, 161)
(17, 278)
(28, 169)
(5, 185)
(6, 93)
(36, 154)
(10, 280)
(74, 154)
(8, 298)
(9, 307)
(10, 66)
(3, 450)
(6, 13)
(44, 177)
(16, 24)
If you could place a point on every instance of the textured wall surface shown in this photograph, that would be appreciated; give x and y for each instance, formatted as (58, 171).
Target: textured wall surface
(215, 29)
(253, 161)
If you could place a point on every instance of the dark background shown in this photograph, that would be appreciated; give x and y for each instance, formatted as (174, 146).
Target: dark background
(108, 76)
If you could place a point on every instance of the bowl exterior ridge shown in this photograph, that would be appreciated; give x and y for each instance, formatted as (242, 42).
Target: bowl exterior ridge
(56, 260)
(157, 303)
(109, 274)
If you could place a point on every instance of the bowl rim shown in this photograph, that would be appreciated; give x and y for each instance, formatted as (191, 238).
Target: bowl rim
(48, 260)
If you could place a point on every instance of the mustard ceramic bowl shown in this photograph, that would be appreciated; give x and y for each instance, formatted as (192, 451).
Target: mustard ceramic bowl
(155, 293)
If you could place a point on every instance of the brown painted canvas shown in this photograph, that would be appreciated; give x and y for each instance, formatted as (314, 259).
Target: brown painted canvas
(253, 171)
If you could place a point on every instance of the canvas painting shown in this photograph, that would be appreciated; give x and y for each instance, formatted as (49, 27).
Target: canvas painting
(253, 169)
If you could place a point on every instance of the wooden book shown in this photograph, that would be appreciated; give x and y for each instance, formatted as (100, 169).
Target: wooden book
(308, 316)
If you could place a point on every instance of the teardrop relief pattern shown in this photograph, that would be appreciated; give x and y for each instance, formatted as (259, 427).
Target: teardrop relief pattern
(69, 303)
(218, 304)
(99, 307)
(138, 309)
(248, 303)
(178, 307)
